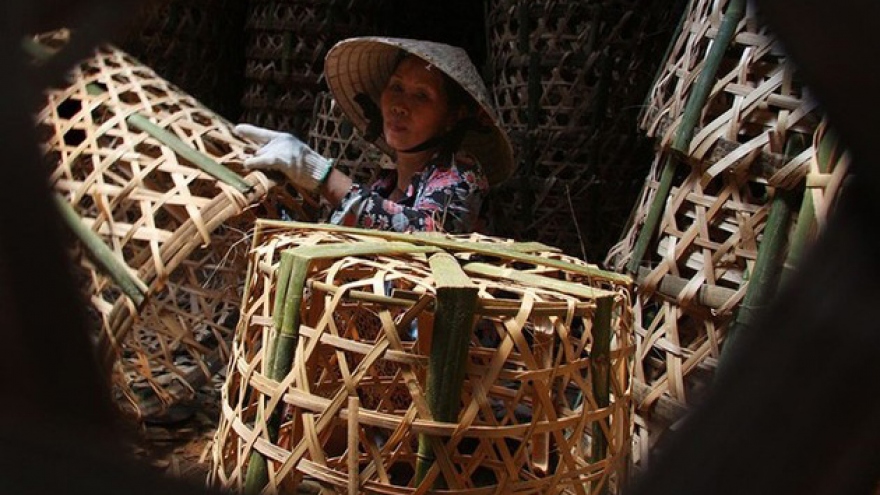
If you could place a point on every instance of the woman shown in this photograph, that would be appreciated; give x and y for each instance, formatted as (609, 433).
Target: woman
(422, 103)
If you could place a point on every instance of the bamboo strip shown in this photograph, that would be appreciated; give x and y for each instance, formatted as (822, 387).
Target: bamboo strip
(825, 147)
(463, 246)
(600, 369)
(353, 444)
(130, 285)
(453, 324)
(197, 158)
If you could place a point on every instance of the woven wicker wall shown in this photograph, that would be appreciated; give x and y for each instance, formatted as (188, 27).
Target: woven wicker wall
(285, 45)
(124, 145)
(194, 44)
(568, 78)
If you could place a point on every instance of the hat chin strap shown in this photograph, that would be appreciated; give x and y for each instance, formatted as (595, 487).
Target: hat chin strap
(449, 140)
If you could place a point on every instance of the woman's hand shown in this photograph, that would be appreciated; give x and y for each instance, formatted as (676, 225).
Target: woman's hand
(285, 153)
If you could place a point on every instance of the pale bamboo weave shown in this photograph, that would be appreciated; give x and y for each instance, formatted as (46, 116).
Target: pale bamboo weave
(527, 407)
(180, 232)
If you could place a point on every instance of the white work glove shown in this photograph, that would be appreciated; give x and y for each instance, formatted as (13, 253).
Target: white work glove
(285, 153)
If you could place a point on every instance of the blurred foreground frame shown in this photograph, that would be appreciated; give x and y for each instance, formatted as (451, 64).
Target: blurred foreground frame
(59, 432)
(797, 408)
(797, 412)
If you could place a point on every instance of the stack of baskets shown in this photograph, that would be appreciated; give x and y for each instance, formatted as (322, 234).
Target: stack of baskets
(375, 362)
(151, 183)
(286, 41)
(194, 44)
(717, 207)
(568, 78)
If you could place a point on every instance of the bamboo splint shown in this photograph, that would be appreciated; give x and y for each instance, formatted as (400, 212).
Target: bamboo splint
(337, 348)
(152, 184)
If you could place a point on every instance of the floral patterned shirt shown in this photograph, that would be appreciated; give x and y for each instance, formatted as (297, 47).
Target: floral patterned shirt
(446, 196)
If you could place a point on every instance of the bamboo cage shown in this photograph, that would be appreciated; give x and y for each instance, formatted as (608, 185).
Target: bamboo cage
(734, 127)
(194, 44)
(151, 183)
(286, 41)
(544, 401)
(568, 79)
(756, 102)
(708, 249)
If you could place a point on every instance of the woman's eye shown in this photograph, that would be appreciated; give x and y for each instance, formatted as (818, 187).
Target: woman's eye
(422, 96)
(395, 87)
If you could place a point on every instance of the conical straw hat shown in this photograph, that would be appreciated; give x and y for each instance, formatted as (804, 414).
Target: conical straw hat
(364, 65)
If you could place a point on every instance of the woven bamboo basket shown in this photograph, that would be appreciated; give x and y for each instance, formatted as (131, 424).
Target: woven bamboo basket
(734, 125)
(568, 79)
(286, 41)
(710, 239)
(151, 182)
(535, 412)
(756, 102)
(194, 44)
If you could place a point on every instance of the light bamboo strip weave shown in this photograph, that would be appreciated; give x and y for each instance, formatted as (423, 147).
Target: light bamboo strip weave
(365, 331)
(180, 232)
(713, 218)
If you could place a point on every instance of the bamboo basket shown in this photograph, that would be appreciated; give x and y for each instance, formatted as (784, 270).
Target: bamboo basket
(733, 124)
(756, 102)
(707, 251)
(151, 182)
(194, 44)
(567, 79)
(286, 41)
(534, 414)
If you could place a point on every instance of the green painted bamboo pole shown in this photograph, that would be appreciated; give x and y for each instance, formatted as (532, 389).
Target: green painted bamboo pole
(102, 255)
(685, 131)
(600, 369)
(454, 245)
(298, 261)
(189, 153)
(455, 310)
(763, 280)
(806, 220)
(532, 280)
(766, 273)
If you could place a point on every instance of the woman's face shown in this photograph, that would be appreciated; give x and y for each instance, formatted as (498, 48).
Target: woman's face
(415, 106)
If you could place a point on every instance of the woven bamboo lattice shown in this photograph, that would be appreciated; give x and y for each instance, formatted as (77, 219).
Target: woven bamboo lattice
(567, 79)
(286, 41)
(354, 400)
(707, 247)
(756, 103)
(194, 44)
(153, 178)
(333, 135)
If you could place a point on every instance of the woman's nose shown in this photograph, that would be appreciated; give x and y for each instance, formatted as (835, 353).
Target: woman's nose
(398, 109)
